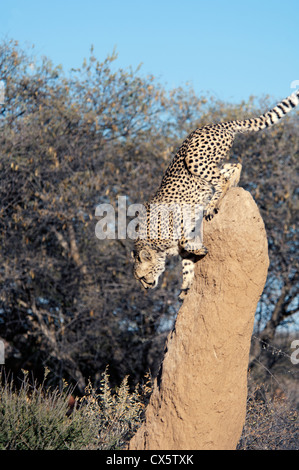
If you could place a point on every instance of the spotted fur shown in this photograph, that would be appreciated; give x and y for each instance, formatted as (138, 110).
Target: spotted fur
(196, 176)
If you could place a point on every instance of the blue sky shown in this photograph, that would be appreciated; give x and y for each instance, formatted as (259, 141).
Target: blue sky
(232, 49)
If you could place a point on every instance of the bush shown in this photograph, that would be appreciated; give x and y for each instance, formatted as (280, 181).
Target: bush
(37, 418)
(271, 422)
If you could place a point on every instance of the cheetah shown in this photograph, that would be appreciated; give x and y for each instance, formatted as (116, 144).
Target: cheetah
(196, 179)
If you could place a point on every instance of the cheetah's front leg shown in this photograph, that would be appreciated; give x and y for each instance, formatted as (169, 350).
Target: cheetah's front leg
(188, 263)
(188, 276)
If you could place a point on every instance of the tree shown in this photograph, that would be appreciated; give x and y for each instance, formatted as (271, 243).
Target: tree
(71, 142)
(66, 146)
(271, 176)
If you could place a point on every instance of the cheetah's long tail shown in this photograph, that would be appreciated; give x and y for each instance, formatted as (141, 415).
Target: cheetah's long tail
(271, 117)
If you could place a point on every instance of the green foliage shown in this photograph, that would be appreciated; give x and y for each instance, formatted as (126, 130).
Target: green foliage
(38, 418)
(34, 418)
(120, 411)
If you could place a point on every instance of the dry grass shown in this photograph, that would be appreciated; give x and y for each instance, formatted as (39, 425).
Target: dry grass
(38, 418)
(271, 423)
(273, 399)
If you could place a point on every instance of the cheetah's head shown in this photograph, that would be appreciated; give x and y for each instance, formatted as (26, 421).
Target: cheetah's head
(148, 266)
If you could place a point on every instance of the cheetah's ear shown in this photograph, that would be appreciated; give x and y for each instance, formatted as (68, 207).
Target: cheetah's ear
(145, 255)
(133, 254)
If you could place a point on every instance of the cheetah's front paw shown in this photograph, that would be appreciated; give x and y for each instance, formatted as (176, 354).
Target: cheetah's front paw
(210, 212)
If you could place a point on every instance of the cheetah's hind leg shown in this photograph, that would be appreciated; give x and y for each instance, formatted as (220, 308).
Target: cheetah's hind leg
(232, 173)
(229, 177)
